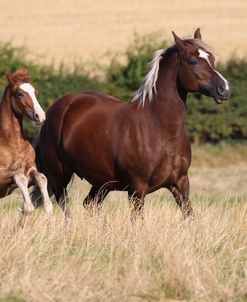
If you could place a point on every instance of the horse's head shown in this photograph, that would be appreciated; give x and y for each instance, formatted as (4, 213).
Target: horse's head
(196, 69)
(23, 96)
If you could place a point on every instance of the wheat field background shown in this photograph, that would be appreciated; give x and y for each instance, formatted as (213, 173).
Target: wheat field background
(72, 31)
(105, 257)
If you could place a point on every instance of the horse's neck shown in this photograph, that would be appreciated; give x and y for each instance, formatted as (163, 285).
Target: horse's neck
(169, 102)
(10, 125)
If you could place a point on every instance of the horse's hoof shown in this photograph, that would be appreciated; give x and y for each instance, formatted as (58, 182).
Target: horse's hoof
(28, 209)
(49, 209)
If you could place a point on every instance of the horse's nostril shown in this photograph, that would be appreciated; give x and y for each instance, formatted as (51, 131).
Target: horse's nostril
(221, 90)
(36, 117)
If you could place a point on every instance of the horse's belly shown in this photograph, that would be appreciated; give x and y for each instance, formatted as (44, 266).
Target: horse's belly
(7, 189)
(95, 171)
(161, 179)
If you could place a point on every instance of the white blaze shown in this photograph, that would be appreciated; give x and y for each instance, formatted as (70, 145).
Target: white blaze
(203, 54)
(28, 88)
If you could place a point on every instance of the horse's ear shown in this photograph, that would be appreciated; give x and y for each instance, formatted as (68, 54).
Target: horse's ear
(26, 72)
(197, 34)
(25, 68)
(8, 77)
(179, 42)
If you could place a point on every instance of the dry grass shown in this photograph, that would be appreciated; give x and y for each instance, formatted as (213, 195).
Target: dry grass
(105, 258)
(74, 30)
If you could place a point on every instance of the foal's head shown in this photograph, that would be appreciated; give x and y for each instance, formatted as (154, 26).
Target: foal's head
(23, 96)
(196, 69)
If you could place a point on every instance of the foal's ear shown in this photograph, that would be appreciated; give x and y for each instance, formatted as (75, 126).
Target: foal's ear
(8, 77)
(11, 83)
(26, 71)
(179, 42)
(197, 34)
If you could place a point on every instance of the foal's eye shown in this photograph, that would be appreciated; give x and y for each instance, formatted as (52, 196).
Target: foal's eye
(19, 94)
(192, 61)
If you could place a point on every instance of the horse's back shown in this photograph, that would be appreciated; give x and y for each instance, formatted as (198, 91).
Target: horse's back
(72, 106)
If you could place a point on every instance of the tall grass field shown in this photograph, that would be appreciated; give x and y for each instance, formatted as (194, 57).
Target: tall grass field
(105, 46)
(105, 257)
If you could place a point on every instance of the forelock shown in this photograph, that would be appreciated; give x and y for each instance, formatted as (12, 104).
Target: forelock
(200, 45)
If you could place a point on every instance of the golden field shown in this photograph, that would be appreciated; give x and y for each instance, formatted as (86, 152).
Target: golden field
(105, 257)
(162, 258)
(80, 30)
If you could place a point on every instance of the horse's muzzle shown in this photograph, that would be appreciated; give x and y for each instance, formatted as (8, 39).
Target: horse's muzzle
(35, 117)
(222, 95)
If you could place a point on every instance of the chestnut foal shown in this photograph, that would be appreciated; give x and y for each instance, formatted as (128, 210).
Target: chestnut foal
(17, 156)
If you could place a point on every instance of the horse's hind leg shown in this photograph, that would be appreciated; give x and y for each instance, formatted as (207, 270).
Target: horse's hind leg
(22, 182)
(136, 200)
(60, 177)
(62, 199)
(95, 197)
(40, 180)
(180, 192)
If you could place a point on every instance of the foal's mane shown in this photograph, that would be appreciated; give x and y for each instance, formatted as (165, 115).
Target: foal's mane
(147, 89)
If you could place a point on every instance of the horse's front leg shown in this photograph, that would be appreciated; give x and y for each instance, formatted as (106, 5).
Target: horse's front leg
(136, 199)
(40, 180)
(22, 182)
(180, 192)
(94, 199)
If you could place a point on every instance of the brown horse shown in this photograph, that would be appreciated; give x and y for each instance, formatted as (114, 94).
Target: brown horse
(140, 146)
(17, 156)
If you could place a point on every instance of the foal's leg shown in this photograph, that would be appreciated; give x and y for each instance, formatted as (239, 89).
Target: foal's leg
(22, 182)
(180, 192)
(41, 181)
(95, 197)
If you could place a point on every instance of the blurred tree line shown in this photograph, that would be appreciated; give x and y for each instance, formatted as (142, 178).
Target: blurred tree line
(206, 121)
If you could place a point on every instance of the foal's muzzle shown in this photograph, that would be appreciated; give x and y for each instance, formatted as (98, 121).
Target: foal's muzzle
(36, 118)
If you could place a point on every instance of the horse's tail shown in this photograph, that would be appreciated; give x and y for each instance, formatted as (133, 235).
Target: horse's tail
(52, 164)
(36, 147)
(40, 164)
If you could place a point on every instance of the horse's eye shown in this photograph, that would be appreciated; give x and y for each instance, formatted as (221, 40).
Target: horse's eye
(192, 61)
(19, 94)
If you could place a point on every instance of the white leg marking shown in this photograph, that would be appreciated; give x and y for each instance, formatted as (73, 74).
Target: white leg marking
(204, 55)
(22, 182)
(42, 183)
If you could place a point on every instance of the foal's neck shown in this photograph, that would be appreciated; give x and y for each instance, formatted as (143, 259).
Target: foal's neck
(10, 124)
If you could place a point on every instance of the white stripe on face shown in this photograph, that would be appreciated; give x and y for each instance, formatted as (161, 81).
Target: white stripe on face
(203, 54)
(28, 88)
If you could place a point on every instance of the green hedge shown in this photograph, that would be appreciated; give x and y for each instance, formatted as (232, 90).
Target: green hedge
(206, 121)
